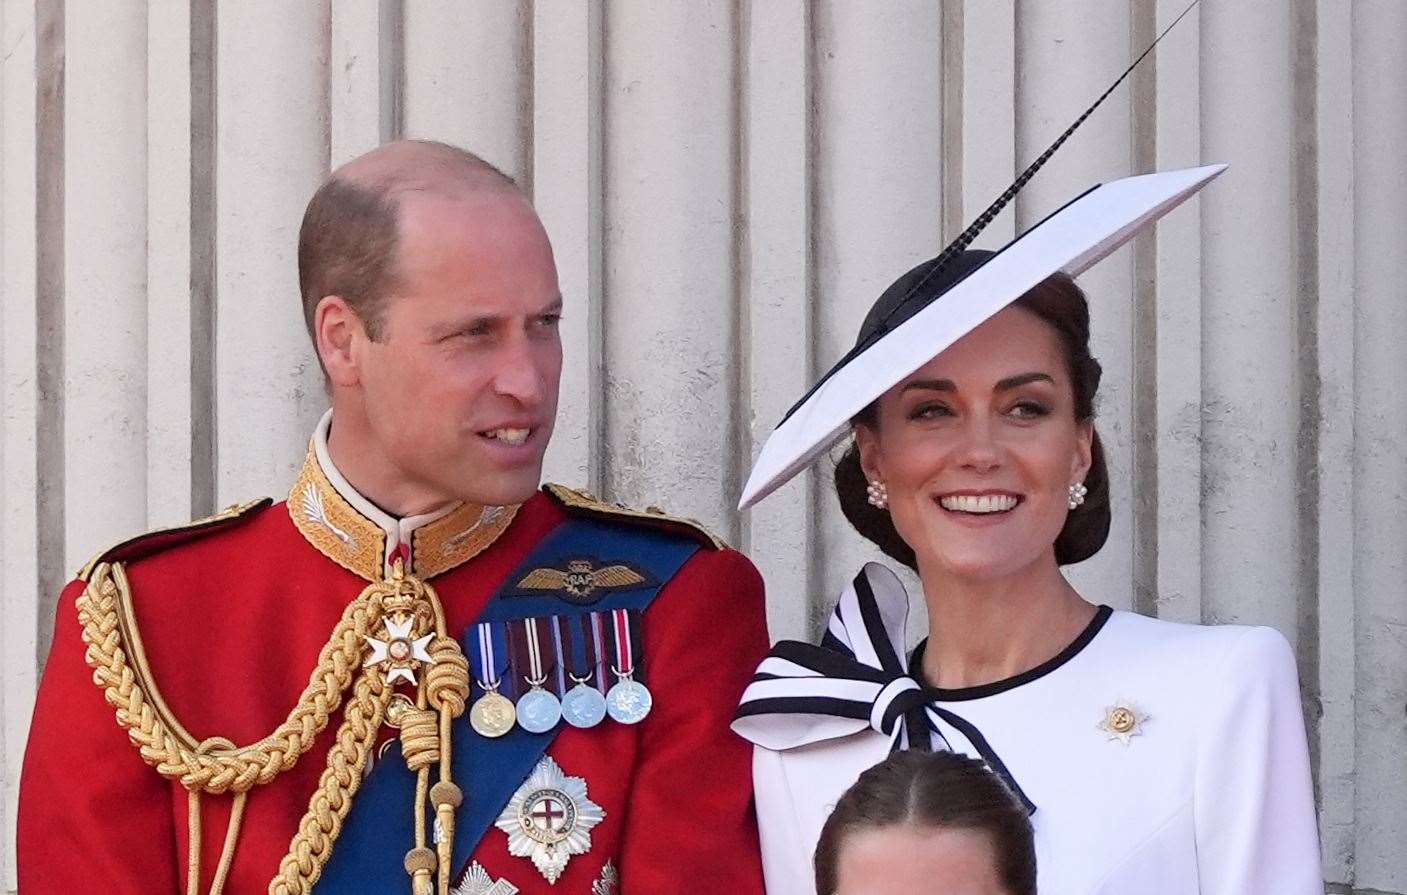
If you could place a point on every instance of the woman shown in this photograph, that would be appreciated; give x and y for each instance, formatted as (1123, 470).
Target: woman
(927, 822)
(1155, 757)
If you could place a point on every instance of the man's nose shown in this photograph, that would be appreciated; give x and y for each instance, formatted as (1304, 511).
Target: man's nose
(517, 376)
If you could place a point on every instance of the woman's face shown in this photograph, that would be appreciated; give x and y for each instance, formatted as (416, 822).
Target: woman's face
(978, 450)
(905, 859)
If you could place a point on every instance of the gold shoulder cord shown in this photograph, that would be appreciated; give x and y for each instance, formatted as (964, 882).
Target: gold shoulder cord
(578, 499)
(412, 616)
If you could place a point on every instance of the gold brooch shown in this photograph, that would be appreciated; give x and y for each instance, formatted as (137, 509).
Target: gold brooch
(1123, 720)
(582, 578)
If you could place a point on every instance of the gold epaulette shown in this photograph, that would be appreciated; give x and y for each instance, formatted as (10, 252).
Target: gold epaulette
(584, 502)
(130, 548)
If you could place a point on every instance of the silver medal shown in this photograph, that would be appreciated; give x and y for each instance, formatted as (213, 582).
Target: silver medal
(583, 706)
(628, 701)
(538, 710)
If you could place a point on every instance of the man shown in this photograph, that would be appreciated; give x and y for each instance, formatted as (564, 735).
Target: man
(418, 673)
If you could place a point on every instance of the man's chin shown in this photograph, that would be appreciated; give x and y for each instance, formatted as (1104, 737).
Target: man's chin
(506, 491)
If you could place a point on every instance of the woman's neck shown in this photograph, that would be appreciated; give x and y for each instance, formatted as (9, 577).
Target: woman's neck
(981, 631)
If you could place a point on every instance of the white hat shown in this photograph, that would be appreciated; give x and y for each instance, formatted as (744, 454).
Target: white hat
(907, 327)
(912, 327)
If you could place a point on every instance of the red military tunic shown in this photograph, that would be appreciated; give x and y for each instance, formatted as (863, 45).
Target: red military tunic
(233, 616)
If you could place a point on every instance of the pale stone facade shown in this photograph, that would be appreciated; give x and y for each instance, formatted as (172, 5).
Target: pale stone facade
(728, 186)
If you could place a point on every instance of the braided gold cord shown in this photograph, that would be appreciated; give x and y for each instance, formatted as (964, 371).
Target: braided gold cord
(346, 767)
(217, 766)
(169, 749)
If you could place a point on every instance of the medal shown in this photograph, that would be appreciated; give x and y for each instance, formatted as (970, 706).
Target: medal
(583, 705)
(492, 715)
(549, 819)
(538, 710)
(628, 701)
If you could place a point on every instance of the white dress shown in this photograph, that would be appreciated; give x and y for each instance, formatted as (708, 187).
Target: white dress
(1211, 793)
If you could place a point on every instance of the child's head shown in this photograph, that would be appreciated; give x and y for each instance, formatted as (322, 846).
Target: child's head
(927, 822)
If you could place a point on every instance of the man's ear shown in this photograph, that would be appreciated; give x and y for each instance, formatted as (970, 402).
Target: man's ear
(867, 442)
(336, 331)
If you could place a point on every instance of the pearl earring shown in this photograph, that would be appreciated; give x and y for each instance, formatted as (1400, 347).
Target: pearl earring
(879, 494)
(1077, 495)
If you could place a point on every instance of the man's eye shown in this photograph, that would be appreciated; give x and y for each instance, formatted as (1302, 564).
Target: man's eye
(548, 321)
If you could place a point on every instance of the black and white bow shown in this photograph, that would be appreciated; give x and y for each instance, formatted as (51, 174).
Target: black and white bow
(854, 680)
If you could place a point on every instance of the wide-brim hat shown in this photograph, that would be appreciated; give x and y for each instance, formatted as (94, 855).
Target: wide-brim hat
(910, 326)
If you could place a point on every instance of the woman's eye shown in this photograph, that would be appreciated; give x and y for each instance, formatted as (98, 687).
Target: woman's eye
(1029, 410)
(929, 412)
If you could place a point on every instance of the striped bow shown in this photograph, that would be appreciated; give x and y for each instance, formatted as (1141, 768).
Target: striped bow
(855, 679)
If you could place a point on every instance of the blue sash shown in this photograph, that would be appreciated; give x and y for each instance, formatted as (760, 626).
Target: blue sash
(380, 828)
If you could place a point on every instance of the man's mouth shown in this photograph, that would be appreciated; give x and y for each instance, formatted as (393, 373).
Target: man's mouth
(509, 436)
(979, 504)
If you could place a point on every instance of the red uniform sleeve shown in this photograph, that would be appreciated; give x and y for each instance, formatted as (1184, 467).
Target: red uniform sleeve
(690, 825)
(93, 816)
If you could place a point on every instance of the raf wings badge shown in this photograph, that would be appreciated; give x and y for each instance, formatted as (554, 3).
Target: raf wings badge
(1122, 721)
(584, 580)
(549, 819)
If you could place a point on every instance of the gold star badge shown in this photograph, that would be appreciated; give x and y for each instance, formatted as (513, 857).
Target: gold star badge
(1123, 720)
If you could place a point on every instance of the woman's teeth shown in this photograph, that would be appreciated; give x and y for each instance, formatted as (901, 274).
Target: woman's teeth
(987, 503)
(514, 437)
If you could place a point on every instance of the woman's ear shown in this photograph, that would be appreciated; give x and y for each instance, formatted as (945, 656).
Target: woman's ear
(867, 442)
(1084, 451)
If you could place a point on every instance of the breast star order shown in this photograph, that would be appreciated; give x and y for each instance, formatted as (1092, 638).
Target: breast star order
(1123, 720)
(399, 654)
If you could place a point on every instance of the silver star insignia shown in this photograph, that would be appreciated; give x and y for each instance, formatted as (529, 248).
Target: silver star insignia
(477, 881)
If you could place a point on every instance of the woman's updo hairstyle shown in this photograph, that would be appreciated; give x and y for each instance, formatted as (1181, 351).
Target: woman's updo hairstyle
(940, 790)
(1062, 305)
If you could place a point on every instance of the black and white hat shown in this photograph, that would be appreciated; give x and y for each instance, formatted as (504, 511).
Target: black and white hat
(908, 326)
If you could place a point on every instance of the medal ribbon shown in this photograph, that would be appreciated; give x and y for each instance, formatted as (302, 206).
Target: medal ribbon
(579, 655)
(488, 653)
(555, 622)
(625, 636)
(598, 650)
(532, 639)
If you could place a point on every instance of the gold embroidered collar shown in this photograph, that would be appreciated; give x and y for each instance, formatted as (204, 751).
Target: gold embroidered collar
(352, 532)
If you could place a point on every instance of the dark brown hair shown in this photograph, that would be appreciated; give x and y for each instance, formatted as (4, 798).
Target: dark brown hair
(932, 789)
(1061, 304)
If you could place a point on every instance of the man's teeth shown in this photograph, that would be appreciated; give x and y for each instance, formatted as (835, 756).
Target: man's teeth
(987, 503)
(509, 436)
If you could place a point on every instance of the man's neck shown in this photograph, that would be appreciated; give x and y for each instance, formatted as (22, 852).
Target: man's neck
(985, 631)
(362, 464)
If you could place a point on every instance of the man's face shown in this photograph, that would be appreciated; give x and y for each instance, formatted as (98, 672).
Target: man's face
(461, 386)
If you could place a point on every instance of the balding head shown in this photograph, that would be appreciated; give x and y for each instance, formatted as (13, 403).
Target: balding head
(348, 240)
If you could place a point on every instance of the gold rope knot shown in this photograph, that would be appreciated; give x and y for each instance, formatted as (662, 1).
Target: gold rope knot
(447, 681)
(420, 738)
